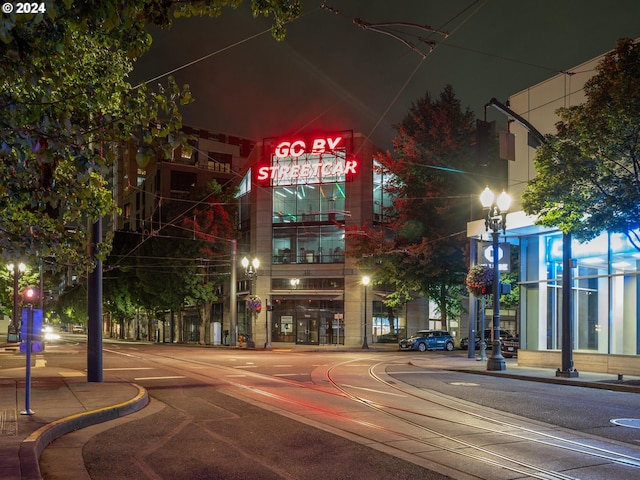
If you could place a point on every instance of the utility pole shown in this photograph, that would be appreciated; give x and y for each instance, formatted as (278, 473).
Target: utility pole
(94, 307)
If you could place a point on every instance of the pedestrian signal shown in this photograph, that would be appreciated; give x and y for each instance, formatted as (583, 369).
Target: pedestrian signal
(30, 294)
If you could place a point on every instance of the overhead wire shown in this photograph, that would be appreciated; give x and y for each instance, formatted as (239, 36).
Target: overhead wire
(375, 27)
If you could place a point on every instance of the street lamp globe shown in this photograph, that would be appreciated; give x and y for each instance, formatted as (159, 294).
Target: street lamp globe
(504, 202)
(255, 263)
(21, 267)
(486, 197)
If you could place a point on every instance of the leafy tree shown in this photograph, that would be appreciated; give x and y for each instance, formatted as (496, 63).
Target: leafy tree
(65, 103)
(422, 247)
(72, 305)
(120, 287)
(174, 266)
(211, 222)
(588, 174)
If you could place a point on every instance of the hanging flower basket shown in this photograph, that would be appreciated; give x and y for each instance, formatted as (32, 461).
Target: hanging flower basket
(479, 280)
(254, 304)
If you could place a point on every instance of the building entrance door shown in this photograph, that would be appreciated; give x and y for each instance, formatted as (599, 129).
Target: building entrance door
(307, 331)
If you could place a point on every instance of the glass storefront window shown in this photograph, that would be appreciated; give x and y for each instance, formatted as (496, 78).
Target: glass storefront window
(605, 294)
(309, 322)
(382, 199)
(308, 244)
(309, 203)
(308, 283)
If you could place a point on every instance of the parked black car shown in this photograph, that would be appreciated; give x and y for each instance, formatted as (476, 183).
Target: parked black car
(509, 346)
(488, 333)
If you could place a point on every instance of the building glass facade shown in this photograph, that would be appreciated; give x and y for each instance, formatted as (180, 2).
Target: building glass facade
(305, 194)
(605, 294)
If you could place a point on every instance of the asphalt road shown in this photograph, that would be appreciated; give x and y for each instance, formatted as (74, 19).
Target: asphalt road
(202, 425)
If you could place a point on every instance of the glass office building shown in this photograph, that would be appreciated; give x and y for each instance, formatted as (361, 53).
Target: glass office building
(605, 290)
(299, 201)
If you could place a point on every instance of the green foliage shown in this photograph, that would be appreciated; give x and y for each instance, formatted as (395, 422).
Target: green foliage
(178, 264)
(588, 174)
(66, 105)
(30, 277)
(422, 248)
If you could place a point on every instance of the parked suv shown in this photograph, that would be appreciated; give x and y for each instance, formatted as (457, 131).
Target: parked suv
(428, 340)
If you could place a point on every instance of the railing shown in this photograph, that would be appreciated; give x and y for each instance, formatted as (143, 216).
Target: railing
(308, 257)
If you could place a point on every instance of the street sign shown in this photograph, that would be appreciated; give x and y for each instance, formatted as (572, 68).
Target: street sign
(485, 256)
(35, 331)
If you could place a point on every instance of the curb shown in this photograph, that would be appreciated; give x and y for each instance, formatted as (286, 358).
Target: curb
(574, 382)
(32, 446)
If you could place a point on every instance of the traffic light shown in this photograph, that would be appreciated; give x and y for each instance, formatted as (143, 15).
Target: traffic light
(485, 132)
(30, 294)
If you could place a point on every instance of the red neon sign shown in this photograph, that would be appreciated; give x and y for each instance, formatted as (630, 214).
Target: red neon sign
(336, 167)
(299, 147)
(289, 167)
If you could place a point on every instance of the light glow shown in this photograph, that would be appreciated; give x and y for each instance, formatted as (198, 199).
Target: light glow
(299, 147)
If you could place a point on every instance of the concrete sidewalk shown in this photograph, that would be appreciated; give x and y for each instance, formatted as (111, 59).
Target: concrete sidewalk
(605, 381)
(61, 402)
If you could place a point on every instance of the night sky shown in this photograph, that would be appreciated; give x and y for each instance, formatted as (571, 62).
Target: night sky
(332, 74)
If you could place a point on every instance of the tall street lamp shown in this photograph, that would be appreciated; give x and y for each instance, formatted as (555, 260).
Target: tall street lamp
(250, 272)
(365, 282)
(495, 220)
(17, 269)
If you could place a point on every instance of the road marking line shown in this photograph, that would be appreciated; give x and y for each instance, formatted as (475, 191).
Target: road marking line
(160, 378)
(120, 353)
(128, 368)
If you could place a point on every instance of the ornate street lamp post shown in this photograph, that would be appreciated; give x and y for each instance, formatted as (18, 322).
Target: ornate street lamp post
(250, 272)
(17, 269)
(495, 220)
(365, 282)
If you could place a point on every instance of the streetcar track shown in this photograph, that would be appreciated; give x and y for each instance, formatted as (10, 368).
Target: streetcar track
(617, 457)
(477, 453)
(530, 469)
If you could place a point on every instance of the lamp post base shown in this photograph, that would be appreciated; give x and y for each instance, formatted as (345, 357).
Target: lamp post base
(483, 352)
(567, 373)
(496, 363)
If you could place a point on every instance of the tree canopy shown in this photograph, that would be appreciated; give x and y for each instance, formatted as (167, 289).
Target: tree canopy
(588, 173)
(179, 264)
(66, 105)
(420, 248)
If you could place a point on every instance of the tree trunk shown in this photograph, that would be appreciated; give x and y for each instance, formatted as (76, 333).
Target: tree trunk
(443, 306)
